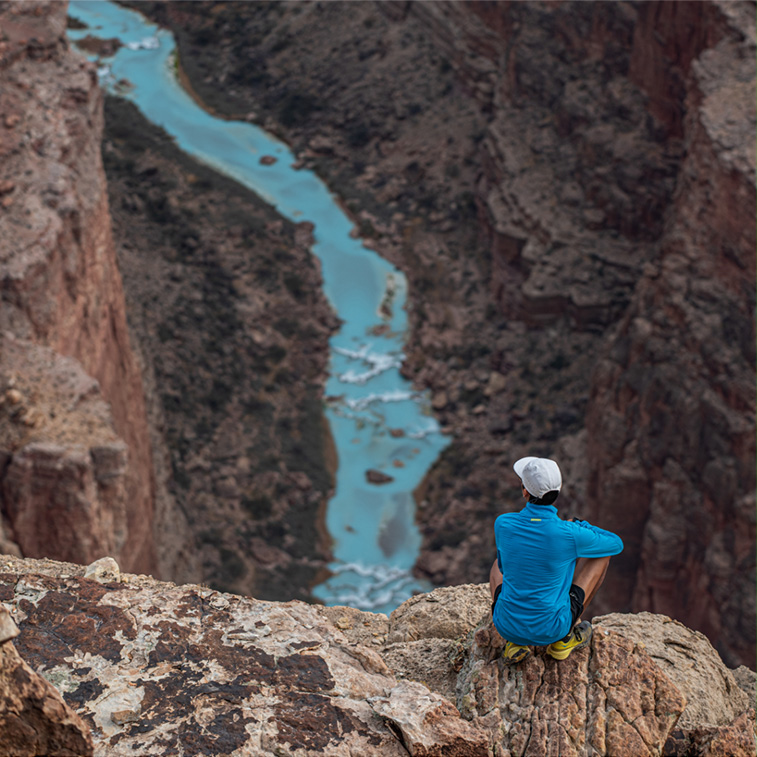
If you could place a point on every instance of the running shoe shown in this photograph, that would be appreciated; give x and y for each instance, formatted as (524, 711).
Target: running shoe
(514, 653)
(579, 637)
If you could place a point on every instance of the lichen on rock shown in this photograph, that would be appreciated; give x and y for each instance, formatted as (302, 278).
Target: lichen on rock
(151, 667)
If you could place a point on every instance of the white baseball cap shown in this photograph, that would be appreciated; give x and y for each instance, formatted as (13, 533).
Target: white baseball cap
(539, 475)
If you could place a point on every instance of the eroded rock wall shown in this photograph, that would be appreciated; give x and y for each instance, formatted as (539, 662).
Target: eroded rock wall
(671, 419)
(64, 482)
(618, 186)
(60, 282)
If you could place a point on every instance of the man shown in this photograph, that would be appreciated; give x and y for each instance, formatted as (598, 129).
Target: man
(547, 570)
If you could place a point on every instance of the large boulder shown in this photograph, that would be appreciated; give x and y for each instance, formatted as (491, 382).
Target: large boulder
(712, 693)
(647, 684)
(719, 714)
(426, 724)
(427, 633)
(158, 669)
(608, 699)
(446, 613)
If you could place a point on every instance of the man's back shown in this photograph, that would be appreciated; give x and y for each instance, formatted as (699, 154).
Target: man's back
(537, 554)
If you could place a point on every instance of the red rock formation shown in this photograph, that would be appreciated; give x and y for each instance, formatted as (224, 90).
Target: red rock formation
(671, 419)
(64, 475)
(34, 719)
(631, 201)
(61, 285)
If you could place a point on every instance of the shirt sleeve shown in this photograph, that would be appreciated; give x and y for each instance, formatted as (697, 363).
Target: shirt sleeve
(592, 541)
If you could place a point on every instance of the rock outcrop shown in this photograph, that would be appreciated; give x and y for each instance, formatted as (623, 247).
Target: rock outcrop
(61, 289)
(34, 719)
(713, 696)
(587, 705)
(613, 700)
(569, 188)
(154, 667)
(63, 482)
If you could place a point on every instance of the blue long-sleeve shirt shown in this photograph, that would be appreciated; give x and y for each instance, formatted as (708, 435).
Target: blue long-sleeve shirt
(537, 553)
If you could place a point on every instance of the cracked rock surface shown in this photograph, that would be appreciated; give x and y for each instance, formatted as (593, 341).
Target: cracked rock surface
(159, 669)
(34, 719)
(154, 668)
(609, 698)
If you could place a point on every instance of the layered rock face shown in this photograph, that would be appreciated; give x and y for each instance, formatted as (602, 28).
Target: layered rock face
(61, 289)
(634, 195)
(671, 422)
(64, 469)
(569, 187)
(155, 667)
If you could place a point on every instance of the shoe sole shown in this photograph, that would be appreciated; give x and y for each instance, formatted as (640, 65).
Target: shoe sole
(563, 654)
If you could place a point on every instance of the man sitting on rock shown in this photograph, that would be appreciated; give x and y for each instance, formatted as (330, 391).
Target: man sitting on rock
(547, 570)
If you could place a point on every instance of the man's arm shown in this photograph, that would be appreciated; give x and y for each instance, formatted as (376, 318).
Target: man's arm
(592, 541)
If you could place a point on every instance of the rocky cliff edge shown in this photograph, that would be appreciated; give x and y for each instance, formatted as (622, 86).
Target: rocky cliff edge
(61, 291)
(146, 667)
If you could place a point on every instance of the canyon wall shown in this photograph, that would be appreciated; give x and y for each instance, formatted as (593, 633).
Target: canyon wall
(569, 188)
(620, 192)
(672, 412)
(61, 290)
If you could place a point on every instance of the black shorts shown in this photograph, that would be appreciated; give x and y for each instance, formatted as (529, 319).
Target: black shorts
(577, 597)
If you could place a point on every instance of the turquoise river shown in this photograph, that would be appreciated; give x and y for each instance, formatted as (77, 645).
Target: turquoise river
(377, 420)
